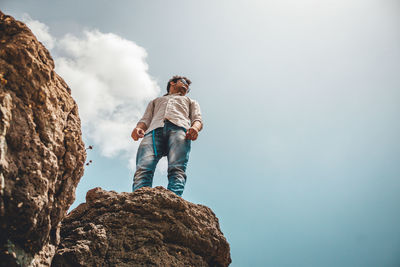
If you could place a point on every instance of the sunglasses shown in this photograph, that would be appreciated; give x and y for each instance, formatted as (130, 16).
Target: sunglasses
(184, 81)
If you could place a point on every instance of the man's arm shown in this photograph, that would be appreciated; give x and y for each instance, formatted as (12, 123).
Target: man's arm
(195, 118)
(144, 122)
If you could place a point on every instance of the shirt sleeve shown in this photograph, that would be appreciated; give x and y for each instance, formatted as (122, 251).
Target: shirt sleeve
(195, 113)
(148, 114)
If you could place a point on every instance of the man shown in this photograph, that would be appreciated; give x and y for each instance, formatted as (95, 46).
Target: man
(168, 125)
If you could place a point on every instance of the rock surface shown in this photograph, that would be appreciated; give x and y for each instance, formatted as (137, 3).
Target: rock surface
(150, 227)
(41, 151)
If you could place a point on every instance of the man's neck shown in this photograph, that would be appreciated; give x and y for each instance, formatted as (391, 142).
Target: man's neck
(177, 93)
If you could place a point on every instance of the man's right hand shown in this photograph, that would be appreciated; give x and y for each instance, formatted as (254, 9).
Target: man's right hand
(137, 133)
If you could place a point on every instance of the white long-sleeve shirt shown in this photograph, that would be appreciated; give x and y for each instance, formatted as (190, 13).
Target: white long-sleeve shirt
(180, 110)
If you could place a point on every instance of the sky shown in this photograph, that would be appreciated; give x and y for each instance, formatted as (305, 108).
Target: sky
(299, 155)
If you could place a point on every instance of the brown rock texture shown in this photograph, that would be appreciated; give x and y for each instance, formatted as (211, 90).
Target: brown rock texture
(150, 227)
(41, 151)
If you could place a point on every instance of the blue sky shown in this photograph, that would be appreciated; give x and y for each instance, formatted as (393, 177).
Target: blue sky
(299, 156)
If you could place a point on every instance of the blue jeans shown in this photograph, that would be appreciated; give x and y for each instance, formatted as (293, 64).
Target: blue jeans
(169, 141)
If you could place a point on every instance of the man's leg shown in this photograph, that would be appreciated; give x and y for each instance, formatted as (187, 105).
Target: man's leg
(178, 156)
(146, 162)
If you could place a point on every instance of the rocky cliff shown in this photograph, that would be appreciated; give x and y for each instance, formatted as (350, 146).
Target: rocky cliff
(41, 150)
(150, 227)
(41, 162)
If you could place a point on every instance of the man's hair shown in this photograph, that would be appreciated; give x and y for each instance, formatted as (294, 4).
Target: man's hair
(175, 79)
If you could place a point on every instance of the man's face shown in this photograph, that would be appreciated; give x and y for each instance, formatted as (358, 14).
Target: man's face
(180, 86)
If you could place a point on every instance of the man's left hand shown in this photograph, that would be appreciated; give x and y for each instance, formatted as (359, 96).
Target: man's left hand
(192, 133)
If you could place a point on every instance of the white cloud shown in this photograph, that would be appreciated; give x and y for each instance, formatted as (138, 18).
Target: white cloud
(109, 79)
